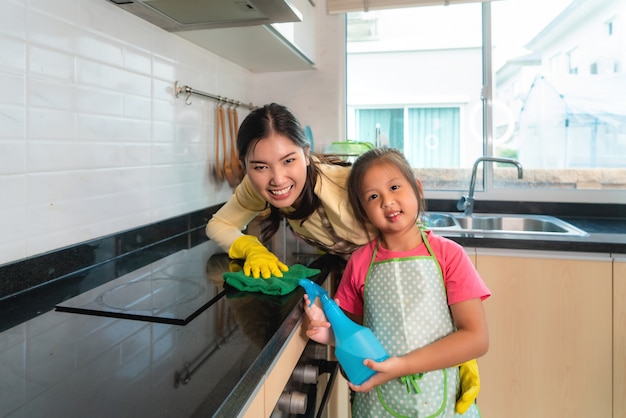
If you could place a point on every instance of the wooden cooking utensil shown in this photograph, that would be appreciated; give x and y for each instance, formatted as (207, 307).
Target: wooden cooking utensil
(242, 171)
(235, 165)
(236, 121)
(228, 172)
(218, 169)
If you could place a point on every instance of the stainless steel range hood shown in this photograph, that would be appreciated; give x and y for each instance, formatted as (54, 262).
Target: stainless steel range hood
(185, 15)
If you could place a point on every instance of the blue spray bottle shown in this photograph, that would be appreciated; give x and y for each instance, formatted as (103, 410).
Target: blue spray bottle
(353, 342)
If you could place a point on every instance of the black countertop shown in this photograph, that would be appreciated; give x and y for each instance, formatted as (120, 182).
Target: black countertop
(120, 362)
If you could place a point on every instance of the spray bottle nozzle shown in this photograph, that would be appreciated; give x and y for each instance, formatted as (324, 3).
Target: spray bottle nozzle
(313, 290)
(354, 342)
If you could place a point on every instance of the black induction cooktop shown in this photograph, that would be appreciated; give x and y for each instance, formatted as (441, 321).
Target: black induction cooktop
(172, 290)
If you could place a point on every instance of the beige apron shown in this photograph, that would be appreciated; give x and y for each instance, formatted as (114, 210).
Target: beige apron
(341, 247)
(406, 308)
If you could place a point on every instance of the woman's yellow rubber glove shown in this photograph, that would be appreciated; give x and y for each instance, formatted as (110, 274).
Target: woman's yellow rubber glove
(470, 386)
(258, 260)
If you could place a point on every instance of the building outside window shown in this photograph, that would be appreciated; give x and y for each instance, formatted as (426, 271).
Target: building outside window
(527, 79)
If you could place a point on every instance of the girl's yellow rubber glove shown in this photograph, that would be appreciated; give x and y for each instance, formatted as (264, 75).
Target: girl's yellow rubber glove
(470, 386)
(258, 260)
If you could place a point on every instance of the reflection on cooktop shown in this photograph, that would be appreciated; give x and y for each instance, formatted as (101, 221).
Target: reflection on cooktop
(150, 295)
(173, 290)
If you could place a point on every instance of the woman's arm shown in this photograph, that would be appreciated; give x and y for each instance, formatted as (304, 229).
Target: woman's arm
(225, 229)
(227, 223)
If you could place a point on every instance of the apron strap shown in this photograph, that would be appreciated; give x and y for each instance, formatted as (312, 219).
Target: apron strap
(341, 247)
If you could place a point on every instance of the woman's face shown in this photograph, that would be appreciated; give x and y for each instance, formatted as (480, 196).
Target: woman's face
(277, 168)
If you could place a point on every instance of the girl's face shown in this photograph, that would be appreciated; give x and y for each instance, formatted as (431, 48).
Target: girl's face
(388, 199)
(277, 168)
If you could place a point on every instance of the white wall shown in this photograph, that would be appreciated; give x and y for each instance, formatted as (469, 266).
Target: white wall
(93, 139)
(317, 97)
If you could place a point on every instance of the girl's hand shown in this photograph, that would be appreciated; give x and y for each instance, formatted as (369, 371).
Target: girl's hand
(317, 327)
(389, 369)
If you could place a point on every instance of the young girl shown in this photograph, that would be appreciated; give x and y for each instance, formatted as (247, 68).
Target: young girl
(283, 176)
(418, 292)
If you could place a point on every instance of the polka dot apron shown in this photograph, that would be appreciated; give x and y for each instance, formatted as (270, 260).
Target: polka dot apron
(406, 308)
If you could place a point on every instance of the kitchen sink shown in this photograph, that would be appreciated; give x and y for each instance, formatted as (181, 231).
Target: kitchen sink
(439, 220)
(500, 224)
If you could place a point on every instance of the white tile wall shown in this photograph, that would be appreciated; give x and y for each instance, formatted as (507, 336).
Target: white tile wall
(93, 139)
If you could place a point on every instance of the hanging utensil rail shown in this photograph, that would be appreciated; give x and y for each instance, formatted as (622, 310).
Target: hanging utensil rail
(189, 91)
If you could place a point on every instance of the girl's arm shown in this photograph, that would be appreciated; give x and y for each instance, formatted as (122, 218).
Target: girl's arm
(317, 326)
(469, 341)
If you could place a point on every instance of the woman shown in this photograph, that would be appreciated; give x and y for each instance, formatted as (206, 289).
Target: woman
(284, 180)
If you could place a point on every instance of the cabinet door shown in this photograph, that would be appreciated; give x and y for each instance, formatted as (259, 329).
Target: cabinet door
(619, 337)
(278, 377)
(550, 329)
(301, 35)
(471, 253)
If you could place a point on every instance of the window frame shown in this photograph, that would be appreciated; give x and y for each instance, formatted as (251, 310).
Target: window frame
(485, 189)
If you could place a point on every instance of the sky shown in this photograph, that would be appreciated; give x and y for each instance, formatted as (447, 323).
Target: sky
(516, 22)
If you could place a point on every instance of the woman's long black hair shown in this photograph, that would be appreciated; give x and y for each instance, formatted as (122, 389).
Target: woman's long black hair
(275, 118)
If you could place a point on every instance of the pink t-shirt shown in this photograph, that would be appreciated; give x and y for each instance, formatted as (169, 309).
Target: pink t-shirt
(460, 277)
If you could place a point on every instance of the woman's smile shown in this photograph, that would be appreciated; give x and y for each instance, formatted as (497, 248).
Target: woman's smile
(277, 168)
(281, 193)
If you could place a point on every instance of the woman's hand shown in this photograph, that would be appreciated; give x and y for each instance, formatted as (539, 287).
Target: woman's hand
(392, 368)
(318, 327)
(259, 261)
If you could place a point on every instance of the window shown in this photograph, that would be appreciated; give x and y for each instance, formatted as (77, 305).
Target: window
(429, 137)
(572, 62)
(609, 28)
(546, 90)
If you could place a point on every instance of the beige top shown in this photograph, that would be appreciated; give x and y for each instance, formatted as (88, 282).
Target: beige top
(227, 223)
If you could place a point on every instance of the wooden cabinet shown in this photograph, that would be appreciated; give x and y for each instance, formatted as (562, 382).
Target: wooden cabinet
(550, 327)
(272, 386)
(471, 253)
(301, 35)
(619, 336)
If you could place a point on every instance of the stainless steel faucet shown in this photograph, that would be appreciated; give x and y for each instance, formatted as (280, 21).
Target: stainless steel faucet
(466, 203)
